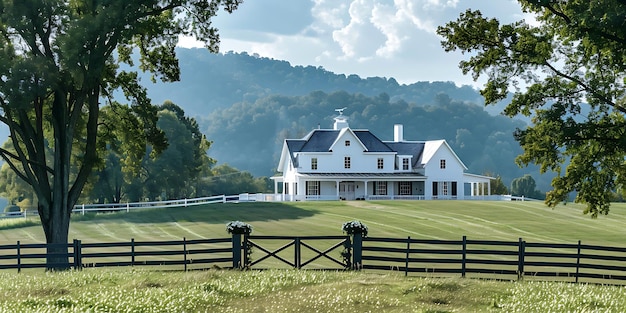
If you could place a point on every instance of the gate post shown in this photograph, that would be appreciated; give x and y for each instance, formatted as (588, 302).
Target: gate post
(357, 251)
(236, 247)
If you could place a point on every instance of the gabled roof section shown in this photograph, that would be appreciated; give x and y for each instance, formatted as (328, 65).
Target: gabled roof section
(348, 130)
(432, 146)
(322, 140)
(319, 140)
(372, 142)
(412, 148)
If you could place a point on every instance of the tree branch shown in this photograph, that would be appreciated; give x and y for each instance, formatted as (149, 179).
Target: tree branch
(586, 88)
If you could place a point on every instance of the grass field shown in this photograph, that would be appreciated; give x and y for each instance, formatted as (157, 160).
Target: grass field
(137, 291)
(153, 290)
(532, 221)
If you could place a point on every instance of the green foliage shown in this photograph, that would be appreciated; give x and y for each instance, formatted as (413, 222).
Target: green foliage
(12, 208)
(237, 77)
(525, 186)
(497, 186)
(58, 60)
(572, 62)
(227, 180)
(130, 173)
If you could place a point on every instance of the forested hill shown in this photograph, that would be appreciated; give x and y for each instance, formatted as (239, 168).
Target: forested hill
(249, 135)
(247, 105)
(210, 81)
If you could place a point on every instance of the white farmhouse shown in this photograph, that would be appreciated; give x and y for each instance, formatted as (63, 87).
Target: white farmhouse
(352, 164)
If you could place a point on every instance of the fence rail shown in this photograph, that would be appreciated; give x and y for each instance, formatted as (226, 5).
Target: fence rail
(466, 258)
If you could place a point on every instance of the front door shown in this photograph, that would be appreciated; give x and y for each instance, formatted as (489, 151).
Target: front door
(346, 190)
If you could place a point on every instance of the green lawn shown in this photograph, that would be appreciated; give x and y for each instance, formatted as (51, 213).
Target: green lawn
(154, 290)
(532, 221)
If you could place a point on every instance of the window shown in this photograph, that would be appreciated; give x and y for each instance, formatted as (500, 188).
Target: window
(444, 189)
(313, 188)
(380, 188)
(405, 188)
(442, 164)
(381, 163)
(346, 162)
(313, 163)
(405, 164)
(347, 143)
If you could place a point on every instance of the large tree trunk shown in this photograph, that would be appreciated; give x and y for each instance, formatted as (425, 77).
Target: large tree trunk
(56, 228)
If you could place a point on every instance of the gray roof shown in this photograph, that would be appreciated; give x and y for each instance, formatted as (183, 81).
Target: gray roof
(408, 148)
(372, 142)
(321, 140)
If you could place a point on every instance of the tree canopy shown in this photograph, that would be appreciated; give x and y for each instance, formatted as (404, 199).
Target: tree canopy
(566, 72)
(58, 61)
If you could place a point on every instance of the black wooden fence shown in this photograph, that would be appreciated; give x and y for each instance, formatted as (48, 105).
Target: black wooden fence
(466, 258)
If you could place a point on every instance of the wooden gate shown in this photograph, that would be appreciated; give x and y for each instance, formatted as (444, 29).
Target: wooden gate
(304, 251)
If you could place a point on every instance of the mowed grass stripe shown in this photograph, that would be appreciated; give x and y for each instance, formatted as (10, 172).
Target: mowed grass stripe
(449, 220)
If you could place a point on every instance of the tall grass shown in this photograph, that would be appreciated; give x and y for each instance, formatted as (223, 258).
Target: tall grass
(125, 290)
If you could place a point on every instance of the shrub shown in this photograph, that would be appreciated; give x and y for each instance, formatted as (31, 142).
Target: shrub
(238, 227)
(12, 209)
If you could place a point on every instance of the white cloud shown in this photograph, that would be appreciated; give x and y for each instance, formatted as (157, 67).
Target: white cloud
(364, 37)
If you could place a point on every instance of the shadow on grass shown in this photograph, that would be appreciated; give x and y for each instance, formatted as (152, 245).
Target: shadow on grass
(210, 213)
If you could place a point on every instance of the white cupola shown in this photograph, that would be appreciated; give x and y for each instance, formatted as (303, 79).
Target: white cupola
(341, 121)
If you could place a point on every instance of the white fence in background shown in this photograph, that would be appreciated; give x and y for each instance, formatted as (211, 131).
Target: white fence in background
(244, 197)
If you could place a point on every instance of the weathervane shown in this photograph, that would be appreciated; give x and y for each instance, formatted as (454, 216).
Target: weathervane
(341, 110)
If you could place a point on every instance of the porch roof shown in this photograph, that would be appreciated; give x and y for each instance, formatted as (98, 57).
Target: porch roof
(399, 176)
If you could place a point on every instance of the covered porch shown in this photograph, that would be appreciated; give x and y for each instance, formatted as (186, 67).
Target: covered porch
(357, 186)
(477, 186)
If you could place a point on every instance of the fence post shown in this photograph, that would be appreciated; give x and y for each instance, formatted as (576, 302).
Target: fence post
(236, 250)
(520, 265)
(357, 251)
(464, 257)
(127, 207)
(185, 252)
(19, 257)
(578, 262)
(297, 259)
(78, 254)
(83, 209)
(408, 251)
(132, 252)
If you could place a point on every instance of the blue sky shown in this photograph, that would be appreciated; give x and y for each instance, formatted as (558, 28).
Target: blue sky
(386, 38)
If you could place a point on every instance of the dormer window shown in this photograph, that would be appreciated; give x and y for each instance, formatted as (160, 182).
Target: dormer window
(313, 163)
(405, 164)
(381, 164)
(347, 143)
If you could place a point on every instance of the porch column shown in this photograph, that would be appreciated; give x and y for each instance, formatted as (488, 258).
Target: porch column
(337, 188)
(392, 191)
(489, 187)
(365, 191)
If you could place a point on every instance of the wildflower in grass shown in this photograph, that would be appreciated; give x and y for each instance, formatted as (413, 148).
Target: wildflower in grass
(238, 227)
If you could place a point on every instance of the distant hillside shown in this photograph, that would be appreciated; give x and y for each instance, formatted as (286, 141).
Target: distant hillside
(248, 105)
(249, 135)
(210, 81)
